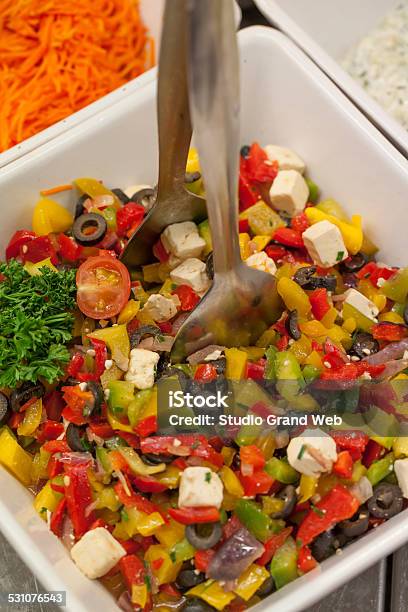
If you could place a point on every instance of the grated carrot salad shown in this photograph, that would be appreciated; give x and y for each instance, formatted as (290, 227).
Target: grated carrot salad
(57, 56)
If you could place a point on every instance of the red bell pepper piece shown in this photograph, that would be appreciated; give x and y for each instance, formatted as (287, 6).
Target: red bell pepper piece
(56, 446)
(188, 516)
(128, 217)
(289, 237)
(17, 241)
(78, 404)
(54, 404)
(248, 194)
(257, 483)
(131, 546)
(243, 226)
(391, 332)
(300, 223)
(160, 252)
(147, 426)
(374, 272)
(319, 302)
(258, 167)
(202, 559)
(165, 326)
(57, 487)
(197, 445)
(135, 500)
(68, 248)
(372, 452)
(255, 369)
(306, 562)
(15, 420)
(187, 296)
(38, 249)
(351, 371)
(344, 465)
(50, 430)
(282, 343)
(54, 467)
(354, 441)
(205, 372)
(102, 430)
(180, 463)
(252, 455)
(134, 573)
(275, 252)
(132, 439)
(272, 545)
(57, 517)
(101, 355)
(169, 589)
(148, 484)
(79, 497)
(75, 365)
(337, 505)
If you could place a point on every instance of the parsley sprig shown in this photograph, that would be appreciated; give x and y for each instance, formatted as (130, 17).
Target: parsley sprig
(35, 323)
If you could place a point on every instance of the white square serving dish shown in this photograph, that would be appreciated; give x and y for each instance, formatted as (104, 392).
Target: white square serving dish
(286, 100)
(326, 30)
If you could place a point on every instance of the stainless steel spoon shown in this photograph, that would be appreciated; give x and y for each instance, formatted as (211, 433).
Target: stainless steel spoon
(173, 203)
(242, 302)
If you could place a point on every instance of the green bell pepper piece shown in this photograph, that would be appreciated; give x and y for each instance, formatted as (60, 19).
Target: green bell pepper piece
(270, 366)
(256, 521)
(182, 551)
(289, 375)
(138, 402)
(380, 469)
(247, 434)
(103, 455)
(313, 190)
(205, 233)
(310, 373)
(396, 288)
(121, 393)
(284, 564)
(281, 470)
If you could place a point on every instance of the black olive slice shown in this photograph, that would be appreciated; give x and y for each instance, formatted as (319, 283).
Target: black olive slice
(209, 265)
(364, 345)
(387, 501)
(89, 229)
(187, 579)
(244, 151)
(121, 195)
(192, 177)
(4, 408)
(354, 263)
(79, 206)
(146, 197)
(204, 535)
(289, 497)
(25, 392)
(292, 325)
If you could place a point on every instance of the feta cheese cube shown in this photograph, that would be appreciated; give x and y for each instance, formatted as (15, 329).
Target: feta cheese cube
(160, 308)
(200, 486)
(183, 240)
(260, 261)
(312, 453)
(191, 272)
(142, 368)
(289, 192)
(325, 244)
(132, 189)
(362, 304)
(97, 552)
(286, 158)
(401, 472)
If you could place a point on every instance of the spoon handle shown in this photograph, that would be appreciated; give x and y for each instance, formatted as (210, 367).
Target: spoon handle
(173, 114)
(213, 71)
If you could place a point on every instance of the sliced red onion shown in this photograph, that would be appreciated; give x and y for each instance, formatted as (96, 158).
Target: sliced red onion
(392, 368)
(91, 507)
(92, 437)
(76, 458)
(362, 490)
(125, 603)
(380, 394)
(67, 533)
(202, 354)
(102, 201)
(235, 556)
(329, 347)
(155, 344)
(395, 350)
(178, 321)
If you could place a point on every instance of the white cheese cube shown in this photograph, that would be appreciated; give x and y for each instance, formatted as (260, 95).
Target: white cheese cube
(260, 261)
(286, 158)
(160, 308)
(325, 244)
(183, 240)
(362, 304)
(200, 486)
(191, 272)
(142, 368)
(289, 192)
(132, 189)
(401, 472)
(312, 453)
(97, 552)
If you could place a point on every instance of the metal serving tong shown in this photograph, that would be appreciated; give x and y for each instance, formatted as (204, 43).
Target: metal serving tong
(173, 203)
(242, 302)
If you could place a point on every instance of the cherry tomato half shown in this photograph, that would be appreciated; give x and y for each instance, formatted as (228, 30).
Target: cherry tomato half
(103, 287)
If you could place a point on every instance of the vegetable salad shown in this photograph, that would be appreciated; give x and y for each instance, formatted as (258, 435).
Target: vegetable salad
(190, 521)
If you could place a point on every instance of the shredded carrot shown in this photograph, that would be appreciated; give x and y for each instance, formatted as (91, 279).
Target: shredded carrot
(54, 190)
(58, 56)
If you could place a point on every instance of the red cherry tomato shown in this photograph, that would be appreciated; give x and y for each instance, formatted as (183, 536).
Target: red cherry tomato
(103, 287)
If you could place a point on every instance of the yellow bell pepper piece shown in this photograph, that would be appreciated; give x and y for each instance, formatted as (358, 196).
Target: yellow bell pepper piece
(260, 242)
(266, 442)
(121, 531)
(368, 247)
(250, 581)
(385, 441)
(339, 336)
(193, 162)
(267, 338)
(32, 419)
(285, 271)
(349, 325)
(151, 273)
(107, 498)
(228, 454)
(400, 447)
(307, 487)
(312, 329)
(170, 533)
(114, 373)
(150, 407)
(391, 317)
(118, 425)
(167, 287)
(301, 348)
(93, 188)
(170, 477)
(129, 312)
(34, 269)
(331, 207)
(117, 340)
(47, 498)
(149, 524)
(244, 248)
(144, 318)
(359, 470)
(254, 352)
(330, 317)
(213, 593)
(293, 296)
(366, 288)
(139, 595)
(39, 466)
(262, 219)
(136, 464)
(231, 482)
(361, 320)
(315, 360)
(236, 363)
(229, 501)
(351, 232)
(168, 571)
(139, 293)
(325, 483)
(49, 217)
(14, 457)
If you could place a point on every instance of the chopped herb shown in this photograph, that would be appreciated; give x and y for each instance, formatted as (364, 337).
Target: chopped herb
(302, 451)
(299, 543)
(86, 445)
(42, 510)
(340, 255)
(160, 337)
(148, 582)
(195, 445)
(124, 515)
(316, 510)
(208, 477)
(172, 556)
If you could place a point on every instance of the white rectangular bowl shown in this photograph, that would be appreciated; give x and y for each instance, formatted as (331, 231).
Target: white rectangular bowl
(326, 30)
(286, 99)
